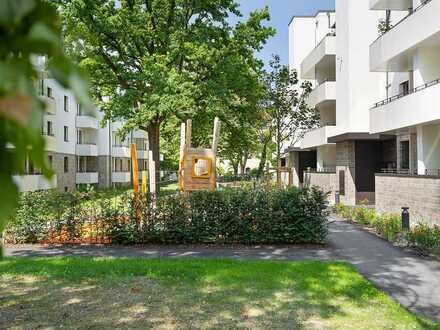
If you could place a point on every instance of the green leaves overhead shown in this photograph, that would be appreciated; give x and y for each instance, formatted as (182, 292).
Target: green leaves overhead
(156, 60)
(29, 31)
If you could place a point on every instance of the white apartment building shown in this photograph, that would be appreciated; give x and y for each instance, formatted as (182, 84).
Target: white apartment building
(377, 96)
(80, 151)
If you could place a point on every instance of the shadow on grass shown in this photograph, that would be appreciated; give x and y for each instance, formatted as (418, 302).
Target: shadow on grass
(191, 293)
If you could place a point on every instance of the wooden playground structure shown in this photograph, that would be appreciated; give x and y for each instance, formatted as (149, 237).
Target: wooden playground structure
(197, 166)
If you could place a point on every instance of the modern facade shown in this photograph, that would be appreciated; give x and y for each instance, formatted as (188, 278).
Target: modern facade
(379, 136)
(79, 150)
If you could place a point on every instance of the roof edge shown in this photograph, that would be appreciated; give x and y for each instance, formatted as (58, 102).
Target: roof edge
(311, 16)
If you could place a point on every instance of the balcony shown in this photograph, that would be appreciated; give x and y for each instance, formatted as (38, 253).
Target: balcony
(142, 154)
(87, 177)
(86, 149)
(318, 137)
(87, 122)
(324, 92)
(122, 151)
(419, 106)
(322, 58)
(139, 134)
(51, 106)
(51, 142)
(394, 51)
(390, 4)
(121, 177)
(32, 182)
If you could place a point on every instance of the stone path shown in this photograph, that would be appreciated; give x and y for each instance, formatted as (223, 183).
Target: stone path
(411, 280)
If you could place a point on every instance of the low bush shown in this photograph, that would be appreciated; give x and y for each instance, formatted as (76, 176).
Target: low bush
(364, 216)
(389, 226)
(425, 238)
(245, 216)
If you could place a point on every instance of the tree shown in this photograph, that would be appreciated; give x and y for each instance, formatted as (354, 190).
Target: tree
(289, 116)
(28, 28)
(153, 60)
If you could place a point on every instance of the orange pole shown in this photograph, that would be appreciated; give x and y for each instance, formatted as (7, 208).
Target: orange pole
(134, 167)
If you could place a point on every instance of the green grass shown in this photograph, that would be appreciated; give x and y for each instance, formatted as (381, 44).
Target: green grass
(193, 293)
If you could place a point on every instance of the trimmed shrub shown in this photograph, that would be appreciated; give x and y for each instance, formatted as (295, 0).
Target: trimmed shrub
(364, 216)
(425, 238)
(388, 226)
(245, 216)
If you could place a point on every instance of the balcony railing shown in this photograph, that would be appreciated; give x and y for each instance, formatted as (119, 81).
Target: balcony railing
(423, 4)
(411, 172)
(411, 91)
(329, 170)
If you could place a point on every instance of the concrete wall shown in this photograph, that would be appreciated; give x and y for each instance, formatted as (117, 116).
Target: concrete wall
(345, 161)
(421, 194)
(65, 181)
(326, 156)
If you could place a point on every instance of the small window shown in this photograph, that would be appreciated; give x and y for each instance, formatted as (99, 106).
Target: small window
(66, 189)
(66, 164)
(49, 92)
(66, 103)
(283, 162)
(66, 134)
(78, 110)
(50, 160)
(49, 128)
(201, 167)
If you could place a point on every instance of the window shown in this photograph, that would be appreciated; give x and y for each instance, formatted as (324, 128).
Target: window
(41, 90)
(404, 155)
(79, 137)
(201, 168)
(50, 160)
(49, 92)
(66, 164)
(283, 162)
(66, 103)
(66, 134)
(78, 110)
(404, 88)
(49, 128)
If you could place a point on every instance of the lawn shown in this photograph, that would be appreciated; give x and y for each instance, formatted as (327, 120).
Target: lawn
(169, 294)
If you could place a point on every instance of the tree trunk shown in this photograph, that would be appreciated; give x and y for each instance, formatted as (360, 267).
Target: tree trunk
(263, 159)
(244, 162)
(154, 147)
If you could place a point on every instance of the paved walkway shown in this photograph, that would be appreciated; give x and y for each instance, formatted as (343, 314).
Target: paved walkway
(411, 280)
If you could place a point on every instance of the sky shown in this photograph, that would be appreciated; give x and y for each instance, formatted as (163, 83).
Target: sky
(281, 12)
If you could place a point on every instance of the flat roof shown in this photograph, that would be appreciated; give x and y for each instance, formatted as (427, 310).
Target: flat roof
(311, 16)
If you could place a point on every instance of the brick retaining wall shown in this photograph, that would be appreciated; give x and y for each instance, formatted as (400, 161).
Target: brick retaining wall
(420, 193)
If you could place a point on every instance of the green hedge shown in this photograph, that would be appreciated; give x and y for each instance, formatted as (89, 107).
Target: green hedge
(245, 216)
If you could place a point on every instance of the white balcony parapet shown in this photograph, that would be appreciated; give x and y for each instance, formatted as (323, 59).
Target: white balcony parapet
(32, 182)
(318, 137)
(121, 177)
(51, 107)
(390, 4)
(326, 91)
(323, 55)
(87, 177)
(140, 134)
(121, 151)
(142, 154)
(87, 122)
(86, 150)
(419, 106)
(394, 50)
(51, 143)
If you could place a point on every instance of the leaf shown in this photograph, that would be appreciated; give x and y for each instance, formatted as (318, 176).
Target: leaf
(12, 11)
(40, 32)
(9, 198)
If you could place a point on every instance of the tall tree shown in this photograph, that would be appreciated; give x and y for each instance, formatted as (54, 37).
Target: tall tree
(286, 107)
(156, 59)
(28, 28)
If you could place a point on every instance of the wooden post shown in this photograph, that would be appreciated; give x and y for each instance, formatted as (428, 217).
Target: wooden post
(182, 155)
(188, 133)
(134, 168)
(152, 173)
(216, 135)
(144, 182)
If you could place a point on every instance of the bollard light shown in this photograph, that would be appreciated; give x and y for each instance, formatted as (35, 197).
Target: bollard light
(405, 218)
(337, 197)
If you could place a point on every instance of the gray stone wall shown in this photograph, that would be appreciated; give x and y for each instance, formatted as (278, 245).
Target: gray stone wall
(66, 181)
(327, 182)
(421, 194)
(345, 161)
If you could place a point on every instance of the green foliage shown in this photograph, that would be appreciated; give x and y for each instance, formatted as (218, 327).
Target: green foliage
(156, 63)
(425, 238)
(364, 216)
(388, 226)
(29, 29)
(224, 216)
